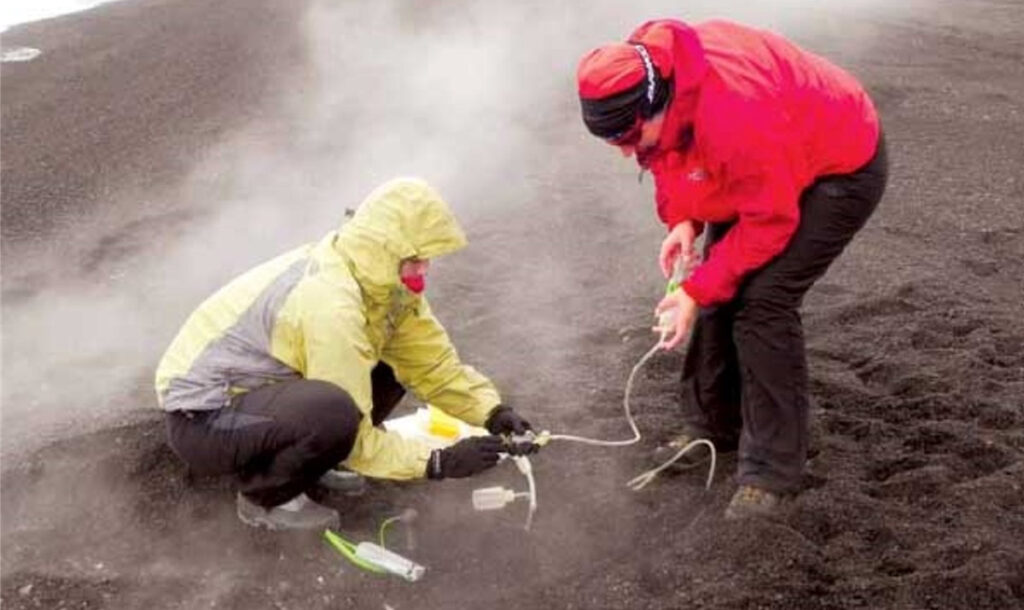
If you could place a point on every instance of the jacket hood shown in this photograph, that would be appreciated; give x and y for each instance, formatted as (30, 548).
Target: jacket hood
(403, 218)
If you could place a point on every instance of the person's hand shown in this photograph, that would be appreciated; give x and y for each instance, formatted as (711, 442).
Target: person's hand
(517, 431)
(678, 242)
(683, 313)
(465, 458)
(504, 420)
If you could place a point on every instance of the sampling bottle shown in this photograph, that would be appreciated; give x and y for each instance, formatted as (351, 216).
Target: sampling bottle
(391, 562)
(492, 498)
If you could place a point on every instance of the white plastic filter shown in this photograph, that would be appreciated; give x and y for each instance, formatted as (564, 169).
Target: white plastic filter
(492, 498)
(497, 498)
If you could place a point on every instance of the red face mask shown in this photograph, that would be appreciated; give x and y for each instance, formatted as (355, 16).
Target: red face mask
(413, 274)
(415, 283)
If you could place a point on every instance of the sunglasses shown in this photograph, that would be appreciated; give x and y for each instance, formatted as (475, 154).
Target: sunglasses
(630, 136)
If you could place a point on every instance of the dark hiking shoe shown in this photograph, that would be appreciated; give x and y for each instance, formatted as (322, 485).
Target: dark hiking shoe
(696, 456)
(299, 513)
(750, 501)
(343, 481)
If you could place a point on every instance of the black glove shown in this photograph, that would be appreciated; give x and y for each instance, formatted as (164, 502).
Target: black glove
(503, 420)
(465, 458)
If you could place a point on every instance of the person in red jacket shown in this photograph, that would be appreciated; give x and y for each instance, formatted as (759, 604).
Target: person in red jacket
(776, 156)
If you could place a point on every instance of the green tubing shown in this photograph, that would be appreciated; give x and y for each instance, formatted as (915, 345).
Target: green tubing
(348, 551)
(383, 526)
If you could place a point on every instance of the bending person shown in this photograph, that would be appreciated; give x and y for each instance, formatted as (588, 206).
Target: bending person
(776, 155)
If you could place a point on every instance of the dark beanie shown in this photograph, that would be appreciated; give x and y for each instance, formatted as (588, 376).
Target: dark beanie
(618, 82)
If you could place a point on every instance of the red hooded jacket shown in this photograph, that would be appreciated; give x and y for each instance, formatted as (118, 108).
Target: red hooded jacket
(754, 120)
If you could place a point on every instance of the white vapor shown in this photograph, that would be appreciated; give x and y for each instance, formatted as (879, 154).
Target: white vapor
(476, 97)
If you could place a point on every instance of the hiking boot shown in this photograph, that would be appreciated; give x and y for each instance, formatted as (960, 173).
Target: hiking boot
(696, 456)
(299, 513)
(750, 501)
(343, 481)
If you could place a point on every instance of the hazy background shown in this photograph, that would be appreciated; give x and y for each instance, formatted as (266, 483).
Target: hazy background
(458, 94)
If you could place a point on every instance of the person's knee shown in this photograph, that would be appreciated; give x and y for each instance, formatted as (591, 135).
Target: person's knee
(332, 418)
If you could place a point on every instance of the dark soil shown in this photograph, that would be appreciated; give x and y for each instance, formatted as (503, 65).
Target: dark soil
(914, 493)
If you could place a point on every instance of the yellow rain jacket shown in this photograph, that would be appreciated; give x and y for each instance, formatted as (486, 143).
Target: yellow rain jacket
(332, 310)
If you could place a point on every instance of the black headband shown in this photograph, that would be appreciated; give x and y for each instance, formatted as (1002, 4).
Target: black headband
(610, 116)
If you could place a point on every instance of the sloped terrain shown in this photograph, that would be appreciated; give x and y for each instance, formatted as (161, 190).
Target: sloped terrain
(914, 493)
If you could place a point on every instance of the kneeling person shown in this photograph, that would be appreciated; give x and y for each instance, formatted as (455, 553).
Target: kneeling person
(290, 369)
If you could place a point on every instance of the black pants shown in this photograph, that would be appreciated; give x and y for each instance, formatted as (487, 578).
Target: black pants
(745, 374)
(279, 439)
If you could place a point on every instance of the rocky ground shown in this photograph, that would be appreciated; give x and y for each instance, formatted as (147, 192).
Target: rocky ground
(157, 147)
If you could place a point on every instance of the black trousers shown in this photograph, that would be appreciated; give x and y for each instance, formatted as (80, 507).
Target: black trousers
(745, 374)
(278, 439)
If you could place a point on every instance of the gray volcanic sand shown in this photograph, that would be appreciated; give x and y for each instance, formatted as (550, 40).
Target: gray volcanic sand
(157, 148)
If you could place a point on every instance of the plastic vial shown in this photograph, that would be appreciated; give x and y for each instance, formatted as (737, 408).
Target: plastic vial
(392, 562)
(667, 320)
(492, 498)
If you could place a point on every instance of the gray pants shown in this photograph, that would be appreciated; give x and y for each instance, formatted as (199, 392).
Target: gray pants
(278, 439)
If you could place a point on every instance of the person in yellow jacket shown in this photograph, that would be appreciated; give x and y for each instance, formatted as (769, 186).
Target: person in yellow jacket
(290, 369)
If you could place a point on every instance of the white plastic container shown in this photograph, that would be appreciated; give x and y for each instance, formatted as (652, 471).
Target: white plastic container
(392, 562)
(492, 498)
(432, 427)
